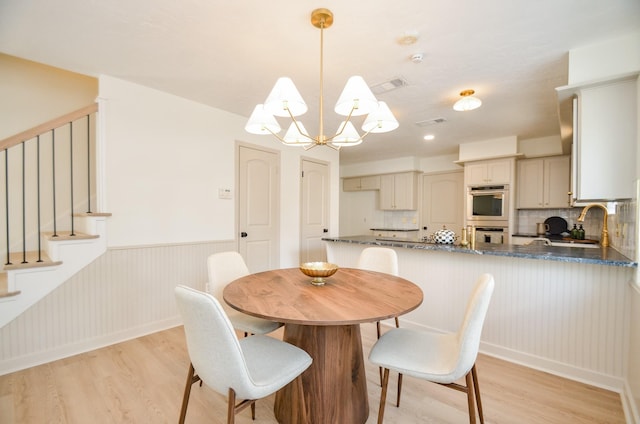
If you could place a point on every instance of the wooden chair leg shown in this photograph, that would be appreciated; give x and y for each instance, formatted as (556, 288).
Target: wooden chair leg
(383, 395)
(231, 407)
(397, 323)
(378, 333)
(476, 389)
(470, 396)
(253, 411)
(191, 378)
(399, 389)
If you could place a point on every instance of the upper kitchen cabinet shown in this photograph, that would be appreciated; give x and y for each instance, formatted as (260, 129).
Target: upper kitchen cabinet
(399, 191)
(489, 172)
(544, 183)
(371, 182)
(604, 138)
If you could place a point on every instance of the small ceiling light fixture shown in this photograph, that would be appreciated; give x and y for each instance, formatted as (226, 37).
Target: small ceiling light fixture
(356, 100)
(408, 38)
(467, 102)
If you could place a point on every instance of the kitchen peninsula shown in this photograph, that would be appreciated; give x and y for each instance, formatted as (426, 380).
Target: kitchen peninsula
(557, 309)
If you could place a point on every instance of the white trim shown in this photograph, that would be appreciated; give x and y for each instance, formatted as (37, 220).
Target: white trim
(581, 375)
(628, 405)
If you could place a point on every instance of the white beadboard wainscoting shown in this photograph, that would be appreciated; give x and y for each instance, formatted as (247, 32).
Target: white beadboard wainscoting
(569, 319)
(125, 293)
(632, 388)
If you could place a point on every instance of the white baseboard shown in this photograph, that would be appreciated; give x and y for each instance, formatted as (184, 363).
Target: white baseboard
(629, 405)
(582, 375)
(42, 357)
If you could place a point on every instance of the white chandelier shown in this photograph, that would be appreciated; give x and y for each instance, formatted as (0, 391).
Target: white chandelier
(356, 100)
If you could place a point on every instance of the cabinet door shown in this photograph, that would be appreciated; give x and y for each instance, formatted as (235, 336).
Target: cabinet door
(351, 184)
(607, 139)
(499, 172)
(475, 173)
(530, 184)
(370, 183)
(557, 182)
(398, 191)
(386, 192)
(489, 172)
(404, 188)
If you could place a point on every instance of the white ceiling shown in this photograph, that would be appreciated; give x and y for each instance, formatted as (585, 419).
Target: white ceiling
(228, 54)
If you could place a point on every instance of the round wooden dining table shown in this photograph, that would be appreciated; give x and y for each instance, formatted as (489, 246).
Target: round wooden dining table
(324, 321)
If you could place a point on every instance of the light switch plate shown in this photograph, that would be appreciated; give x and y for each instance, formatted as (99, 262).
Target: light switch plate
(225, 193)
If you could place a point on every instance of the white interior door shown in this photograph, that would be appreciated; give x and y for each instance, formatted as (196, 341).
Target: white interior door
(314, 210)
(443, 202)
(259, 208)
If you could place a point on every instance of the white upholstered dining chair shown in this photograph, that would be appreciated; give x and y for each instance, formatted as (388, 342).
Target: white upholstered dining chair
(223, 268)
(379, 259)
(250, 368)
(436, 357)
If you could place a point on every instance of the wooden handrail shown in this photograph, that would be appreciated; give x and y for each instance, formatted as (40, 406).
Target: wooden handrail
(47, 126)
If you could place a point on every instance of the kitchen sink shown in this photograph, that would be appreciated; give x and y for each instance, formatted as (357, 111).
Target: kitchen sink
(586, 244)
(575, 244)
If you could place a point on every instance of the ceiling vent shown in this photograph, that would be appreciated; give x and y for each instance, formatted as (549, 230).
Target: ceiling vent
(428, 122)
(390, 85)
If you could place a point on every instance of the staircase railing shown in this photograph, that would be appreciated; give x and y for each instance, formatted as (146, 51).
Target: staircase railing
(49, 175)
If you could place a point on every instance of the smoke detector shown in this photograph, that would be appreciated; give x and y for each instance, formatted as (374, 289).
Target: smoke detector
(417, 57)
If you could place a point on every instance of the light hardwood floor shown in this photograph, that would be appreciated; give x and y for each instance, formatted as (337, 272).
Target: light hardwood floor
(142, 380)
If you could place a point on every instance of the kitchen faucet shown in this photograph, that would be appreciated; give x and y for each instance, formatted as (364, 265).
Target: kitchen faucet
(604, 237)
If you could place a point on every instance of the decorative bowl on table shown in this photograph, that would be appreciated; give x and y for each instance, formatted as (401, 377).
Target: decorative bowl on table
(319, 271)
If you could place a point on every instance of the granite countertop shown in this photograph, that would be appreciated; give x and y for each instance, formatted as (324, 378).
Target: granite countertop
(394, 229)
(599, 256)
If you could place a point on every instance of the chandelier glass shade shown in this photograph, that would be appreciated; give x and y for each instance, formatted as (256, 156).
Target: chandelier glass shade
(356, 99)
(467, 102)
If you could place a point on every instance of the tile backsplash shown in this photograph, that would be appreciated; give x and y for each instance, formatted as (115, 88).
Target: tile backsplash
(621, 223)
(400, 220)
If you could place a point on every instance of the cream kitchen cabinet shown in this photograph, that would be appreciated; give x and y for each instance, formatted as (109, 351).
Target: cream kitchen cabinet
(371, 182)
(488, 172)
(606, 141)
(604, 149)
(399, 191)
(544, 183)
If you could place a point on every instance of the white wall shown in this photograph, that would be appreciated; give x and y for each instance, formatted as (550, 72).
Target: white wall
(165, 159)
(605, 59)
(33, 93)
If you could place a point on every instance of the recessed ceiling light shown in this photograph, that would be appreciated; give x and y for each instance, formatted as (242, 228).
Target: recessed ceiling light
(429, 137)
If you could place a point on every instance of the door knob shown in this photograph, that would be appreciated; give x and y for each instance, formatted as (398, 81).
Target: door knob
(243, 234)
(324, 230)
